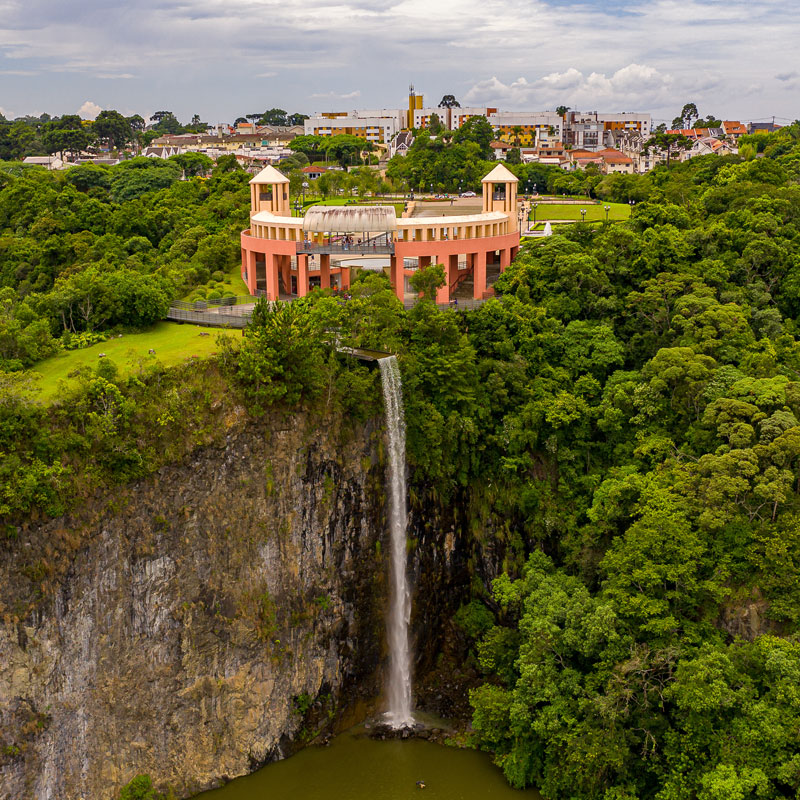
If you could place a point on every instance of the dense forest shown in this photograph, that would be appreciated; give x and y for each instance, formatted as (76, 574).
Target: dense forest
(623, 419)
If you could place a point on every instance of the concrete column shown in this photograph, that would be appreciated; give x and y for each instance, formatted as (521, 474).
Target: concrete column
(397, 277)
(302, 275)
(505, 258)
(344, 278)
(272, 277)
(325, 271)
(251, 272)
(479, 275)
(424, 261)
(286, 273)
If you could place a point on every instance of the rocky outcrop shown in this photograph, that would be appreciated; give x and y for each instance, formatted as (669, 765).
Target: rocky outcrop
(201, 618)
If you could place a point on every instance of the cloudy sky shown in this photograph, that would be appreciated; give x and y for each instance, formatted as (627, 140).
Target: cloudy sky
(220, 59)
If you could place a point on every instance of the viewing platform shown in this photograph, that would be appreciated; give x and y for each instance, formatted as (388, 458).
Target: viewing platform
(285, 255)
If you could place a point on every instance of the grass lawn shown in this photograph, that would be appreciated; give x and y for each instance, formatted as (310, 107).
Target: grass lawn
(232, 282)
(173, 343)
(594, 212)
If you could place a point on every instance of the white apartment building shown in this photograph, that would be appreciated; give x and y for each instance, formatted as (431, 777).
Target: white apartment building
(378, 126)
(458, 116)
(538, 127)
(627, 121)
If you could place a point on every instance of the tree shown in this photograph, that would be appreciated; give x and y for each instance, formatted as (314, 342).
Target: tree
(273, 116)
(435, 126)
(562, 111)
(669, 143)
(476, 129)
(166, 122)
(311, 145)
(449, 101)
(85, 177)
(426, 280)
(69, 141)
(135, 177)
(112, 127)
(684, 119)
(193, 163)
(196, 125)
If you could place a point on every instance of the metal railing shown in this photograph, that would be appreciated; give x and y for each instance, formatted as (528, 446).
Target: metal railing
(356, 249)
(209, 319)
(220, 302)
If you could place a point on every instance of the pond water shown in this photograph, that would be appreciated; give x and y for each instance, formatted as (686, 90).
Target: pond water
(355, 767)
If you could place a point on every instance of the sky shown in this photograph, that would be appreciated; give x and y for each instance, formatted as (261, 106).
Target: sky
(736, 59)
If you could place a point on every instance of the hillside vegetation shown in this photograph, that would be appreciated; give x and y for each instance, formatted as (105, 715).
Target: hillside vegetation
(624, 421)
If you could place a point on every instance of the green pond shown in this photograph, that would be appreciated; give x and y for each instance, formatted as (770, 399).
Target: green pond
(355, 767)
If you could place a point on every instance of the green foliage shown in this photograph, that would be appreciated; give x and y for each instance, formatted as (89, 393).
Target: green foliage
(427, 280)
(628, 405)
(140, 788)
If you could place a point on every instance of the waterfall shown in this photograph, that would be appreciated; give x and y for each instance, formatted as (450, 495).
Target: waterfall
(399, 688)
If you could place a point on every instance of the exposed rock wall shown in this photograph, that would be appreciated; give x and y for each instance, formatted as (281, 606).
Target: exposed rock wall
(200, 609)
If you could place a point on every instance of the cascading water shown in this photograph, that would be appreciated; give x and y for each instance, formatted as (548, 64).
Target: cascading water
(399, 688)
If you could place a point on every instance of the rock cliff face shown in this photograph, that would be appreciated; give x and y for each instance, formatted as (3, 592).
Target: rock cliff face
(199, 615)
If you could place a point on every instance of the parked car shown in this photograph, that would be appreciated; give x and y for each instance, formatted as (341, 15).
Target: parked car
(468, 194)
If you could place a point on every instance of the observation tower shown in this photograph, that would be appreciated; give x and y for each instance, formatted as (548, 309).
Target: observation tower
(285, 256)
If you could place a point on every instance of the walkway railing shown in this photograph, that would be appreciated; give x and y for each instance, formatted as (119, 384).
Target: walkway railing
(356, 249)
(220, 302)
(241, 319)
(210, 319)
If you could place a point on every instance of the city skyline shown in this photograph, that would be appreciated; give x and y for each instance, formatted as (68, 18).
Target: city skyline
(208, 57)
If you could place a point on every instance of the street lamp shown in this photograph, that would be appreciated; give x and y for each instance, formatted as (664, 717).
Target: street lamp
(536, 188)
(534, 213)
(607, 209)
(583, 215)
(305, 186)
(297, 207)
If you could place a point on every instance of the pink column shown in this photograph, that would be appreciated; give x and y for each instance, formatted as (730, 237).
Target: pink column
(344, 278)
(272, 277)
(397, 276)
(302, 275)
(251, 272)
(505, 258)
(286, 273)
(479, 275)
(325, 271)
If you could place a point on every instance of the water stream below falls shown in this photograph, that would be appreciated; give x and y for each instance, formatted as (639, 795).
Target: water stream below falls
(355, 767)
(399, 684)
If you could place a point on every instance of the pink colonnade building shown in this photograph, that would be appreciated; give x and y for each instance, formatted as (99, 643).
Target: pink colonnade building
(285, 256)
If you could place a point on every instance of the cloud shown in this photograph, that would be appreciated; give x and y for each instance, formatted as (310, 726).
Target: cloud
(89, 110)
(634, 87)
(652, 56)
(787, 76)
(335, 96)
